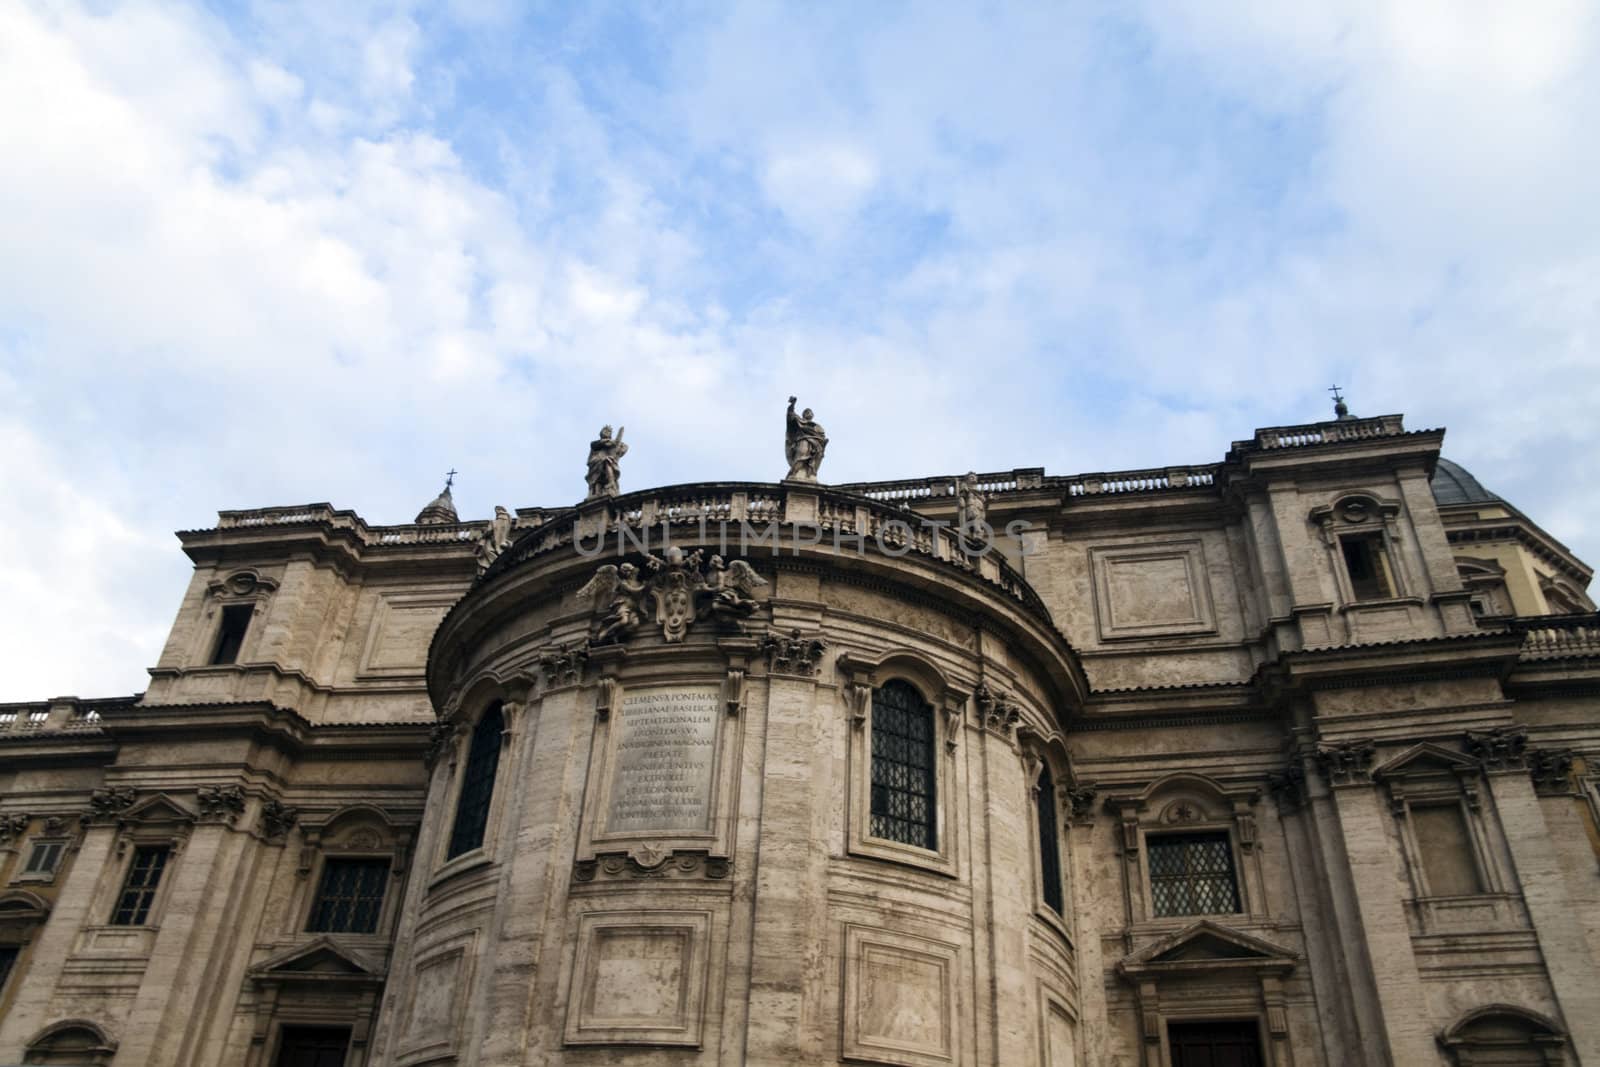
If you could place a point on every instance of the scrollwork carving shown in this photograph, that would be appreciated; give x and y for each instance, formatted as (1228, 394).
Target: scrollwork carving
(106, 804)
(277, 818)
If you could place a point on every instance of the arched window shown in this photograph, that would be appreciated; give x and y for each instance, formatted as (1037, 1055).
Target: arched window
(903, 769)
(1049, 849)
(477, 783)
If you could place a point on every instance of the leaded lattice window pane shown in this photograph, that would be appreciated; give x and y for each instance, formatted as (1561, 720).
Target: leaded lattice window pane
(477, 785)
(350, 898)
(903, 766)
(1049, 843)
(139, 888)
(1192, 874)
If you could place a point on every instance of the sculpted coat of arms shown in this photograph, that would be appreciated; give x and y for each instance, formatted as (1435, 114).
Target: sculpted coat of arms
(676, 591)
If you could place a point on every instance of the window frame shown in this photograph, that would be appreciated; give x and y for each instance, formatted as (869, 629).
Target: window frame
(945, 709)
(386, 902)
(930, 826)
(1194, 830)
(158, 895)
(42, 877)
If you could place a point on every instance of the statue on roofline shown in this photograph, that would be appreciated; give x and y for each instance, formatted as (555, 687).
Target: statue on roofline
(803, 445)
(605, 463)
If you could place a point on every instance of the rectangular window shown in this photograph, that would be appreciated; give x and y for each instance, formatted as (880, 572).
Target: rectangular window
(1215, 1044)
(1192, 874)
(1367, 566)
(313, 1046)
(350, 897)
(8, 962)
(44, 858)
(139, 889)
(903, 767)
(1446, 849)
(230, 635)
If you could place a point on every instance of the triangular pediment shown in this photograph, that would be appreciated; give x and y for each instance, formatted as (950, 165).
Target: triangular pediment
(1206, 945)
(1425, 758)
(159, 808)
(323, 958)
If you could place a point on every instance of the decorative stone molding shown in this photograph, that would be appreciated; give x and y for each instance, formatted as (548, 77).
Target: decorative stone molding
(1499, 750)
(1551, 770)
(1346, 762)
(13, 824)
(220, 803)
(106, 804)
(997, 712)
(277, 818)
(733, 690)
(1289, 788)
(605, 697)
(858, 698)
(645, 864)
(675, 590)
(241, 584)
(441, 736)
(795, 653)
(1081, 800)
(564, 666)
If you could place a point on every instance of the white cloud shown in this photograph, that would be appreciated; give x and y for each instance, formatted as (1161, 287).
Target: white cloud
(259, 267)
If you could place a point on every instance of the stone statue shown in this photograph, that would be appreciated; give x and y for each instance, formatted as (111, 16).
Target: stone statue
(620, 589)
(605, 460)
(804, 442)
(496, 539)
(972, 507)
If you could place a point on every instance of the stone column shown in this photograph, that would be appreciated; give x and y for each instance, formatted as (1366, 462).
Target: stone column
(791, 941)
(1574, 977)
(1005, 867)
(173, 985)
(1395, 1022)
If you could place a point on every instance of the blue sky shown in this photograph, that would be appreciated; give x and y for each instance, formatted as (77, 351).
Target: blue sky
(276, 253)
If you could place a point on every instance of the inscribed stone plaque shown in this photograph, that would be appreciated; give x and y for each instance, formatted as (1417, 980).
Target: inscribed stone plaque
(666, 749)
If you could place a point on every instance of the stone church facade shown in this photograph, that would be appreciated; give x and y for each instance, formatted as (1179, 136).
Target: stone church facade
(1289, 759)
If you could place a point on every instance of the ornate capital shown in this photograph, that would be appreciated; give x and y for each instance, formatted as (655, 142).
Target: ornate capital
(1500, 749)
(996, 711)
(1289, 787)
(1347, 762)
(220, 803)
(795, 653)
(440, 738)
(1551, 770)
(13, 824)
(1082, 801)
(277, 818)
(106, 804)
(564, 665)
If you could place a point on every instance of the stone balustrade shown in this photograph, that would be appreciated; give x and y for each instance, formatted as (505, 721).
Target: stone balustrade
(1143, 481)
(1559, 636)
(994, 482)
(838, 516)
(1319, 433)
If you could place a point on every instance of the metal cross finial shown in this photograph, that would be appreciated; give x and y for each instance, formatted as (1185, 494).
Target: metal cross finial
(1340, 408)
(450, 477)
(1334, 389)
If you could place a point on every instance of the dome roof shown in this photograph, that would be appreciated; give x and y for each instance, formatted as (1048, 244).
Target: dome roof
(1454, 484)
(440, 510)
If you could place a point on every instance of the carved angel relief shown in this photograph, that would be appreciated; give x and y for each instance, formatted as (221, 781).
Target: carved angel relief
(676, 592)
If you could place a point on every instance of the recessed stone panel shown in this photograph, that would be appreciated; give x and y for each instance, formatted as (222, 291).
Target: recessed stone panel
(665, 762)
(435, 1008)
(1152, 590)
(401, 629)
(639, 978)
(899, 998)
